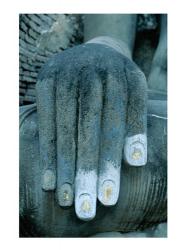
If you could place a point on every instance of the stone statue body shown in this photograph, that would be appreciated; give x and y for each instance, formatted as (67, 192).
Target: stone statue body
(142, 200)
(92, 102)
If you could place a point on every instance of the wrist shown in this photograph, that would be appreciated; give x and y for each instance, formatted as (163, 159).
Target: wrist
(114, 43)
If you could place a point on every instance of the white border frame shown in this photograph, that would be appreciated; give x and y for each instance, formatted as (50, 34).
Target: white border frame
(177, 119)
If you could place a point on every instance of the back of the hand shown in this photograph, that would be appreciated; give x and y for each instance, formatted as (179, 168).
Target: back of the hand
(92, 110)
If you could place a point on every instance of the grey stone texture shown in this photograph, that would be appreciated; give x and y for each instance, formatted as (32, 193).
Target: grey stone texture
(157, 231)
(43, 35)
(70, 94)
(143, 198)
(40, 37)
(86, 108)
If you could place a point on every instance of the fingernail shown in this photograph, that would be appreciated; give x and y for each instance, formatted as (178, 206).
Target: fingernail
(135, 150)
(108, 193)
(65, 195)
(86, 194)
(85, 207)
(49, 180)
(109, 182)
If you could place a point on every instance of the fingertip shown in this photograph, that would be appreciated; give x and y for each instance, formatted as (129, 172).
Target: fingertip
(85, 194)
(108, 193)
(65, 195)
(135, 150)
(85, 207)
(109, 183)
(48, 180)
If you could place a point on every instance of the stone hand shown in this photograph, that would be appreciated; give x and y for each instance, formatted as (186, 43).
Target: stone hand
(92, 111)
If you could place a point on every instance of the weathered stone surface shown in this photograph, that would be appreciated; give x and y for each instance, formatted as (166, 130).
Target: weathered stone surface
(42, 35)
(97, 82)
(143, 197)
(47, 34)
(147, 22)
(158, 231)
